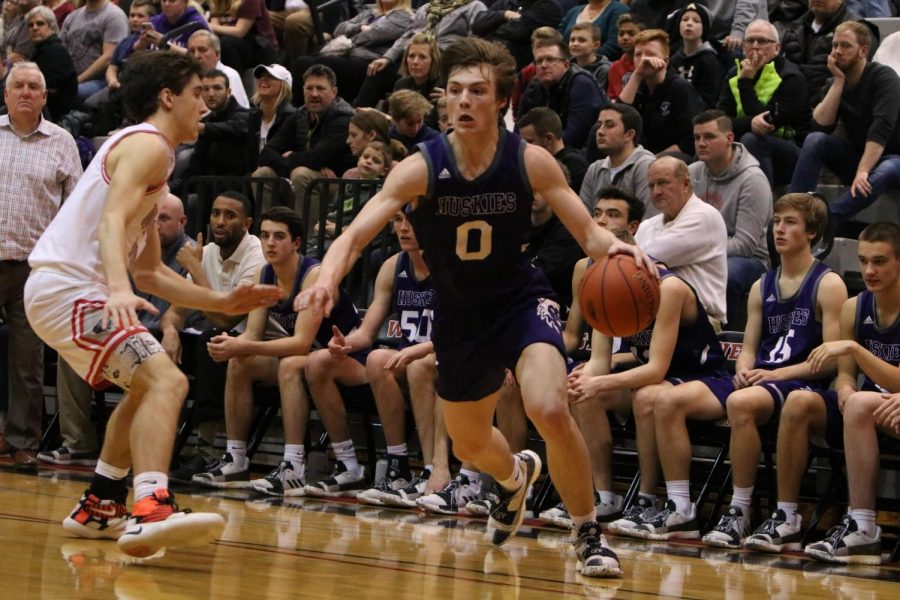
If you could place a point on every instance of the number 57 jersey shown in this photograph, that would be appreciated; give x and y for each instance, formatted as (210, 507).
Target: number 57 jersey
(472, 231)
(790, 330)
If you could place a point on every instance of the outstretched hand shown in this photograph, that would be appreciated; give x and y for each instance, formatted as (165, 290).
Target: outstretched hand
(641, 258)
(248, 296)
(121, 310)
(319, 298)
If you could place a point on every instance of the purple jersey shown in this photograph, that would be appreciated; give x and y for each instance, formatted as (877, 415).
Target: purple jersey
(789, 327)
(412, 303)
(697, 349)
(472, 231)
(883, 342)
(343, 314)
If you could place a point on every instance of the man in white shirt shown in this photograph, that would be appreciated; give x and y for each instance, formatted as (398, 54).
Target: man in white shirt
(207, 49)
(688, 235)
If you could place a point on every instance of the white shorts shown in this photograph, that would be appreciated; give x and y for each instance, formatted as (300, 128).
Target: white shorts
(66, 313)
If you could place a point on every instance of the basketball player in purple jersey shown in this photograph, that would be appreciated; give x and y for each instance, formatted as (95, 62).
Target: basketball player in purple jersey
(870, 332)
(468, 195)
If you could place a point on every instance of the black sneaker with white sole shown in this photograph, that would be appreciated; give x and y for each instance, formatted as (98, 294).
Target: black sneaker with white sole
(507, 516)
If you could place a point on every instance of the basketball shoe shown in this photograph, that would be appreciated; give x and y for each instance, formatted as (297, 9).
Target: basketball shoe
(776, 534)
(846, 544)
(486, 501)
(507, 516)
(453, 499)
(730, 531)
(94, 518)
(396, 477)
(595, 559)
(156, 522)
(64, 456)
(284, 480)
(669, 523)
(224, 474)
(642, 510)
(406, 497)
(341, 483)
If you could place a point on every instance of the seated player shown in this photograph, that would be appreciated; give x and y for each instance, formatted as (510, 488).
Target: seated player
(679, 345)
(402, 287)
(870, 332)
(790, 311)
(273, 348)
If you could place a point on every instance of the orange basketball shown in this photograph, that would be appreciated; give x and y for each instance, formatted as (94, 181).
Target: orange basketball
(618, 297)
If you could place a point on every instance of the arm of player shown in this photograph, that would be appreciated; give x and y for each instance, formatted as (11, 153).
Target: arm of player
(406, 181)
(572, 332)
(582, 382)
(170, 324)
(831, 297)
(408, 355)
(852, 356)
(752, 334)
(136, 164)
(662, 343)
(378, 311)
(547, 179)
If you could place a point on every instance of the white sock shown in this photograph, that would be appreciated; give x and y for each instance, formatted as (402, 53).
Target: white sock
(109, 471)
(474, 476)
(789, 509)
(238, 451)
(679, 492)
(607, 497)
(295, 454)
(865, 520)
(514, 481)
(429, 468)
(398, 450)
(742, 497)
(346, 453)
(577, 522)
(148, 482)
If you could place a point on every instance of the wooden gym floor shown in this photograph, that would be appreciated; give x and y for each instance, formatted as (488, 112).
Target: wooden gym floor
(303, 548)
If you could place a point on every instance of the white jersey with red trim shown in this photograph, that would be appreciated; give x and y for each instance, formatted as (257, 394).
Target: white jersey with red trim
(71, 245)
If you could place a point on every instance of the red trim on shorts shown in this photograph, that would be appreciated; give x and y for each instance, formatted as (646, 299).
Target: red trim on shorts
(152, 190)
(102, 351)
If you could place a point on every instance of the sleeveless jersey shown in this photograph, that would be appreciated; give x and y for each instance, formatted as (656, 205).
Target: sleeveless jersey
(883, 342)
(789, 327)
(343, 314)
(71, 242)
(697, 349)
(412, 302)
(472, 232)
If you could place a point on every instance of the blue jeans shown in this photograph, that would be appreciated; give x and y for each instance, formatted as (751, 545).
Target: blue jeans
(869, 8)
(87, 89)
(743, 271)
(777, 157)
(841, 157)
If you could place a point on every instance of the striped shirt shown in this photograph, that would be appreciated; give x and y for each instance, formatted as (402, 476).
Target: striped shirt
(40, 169)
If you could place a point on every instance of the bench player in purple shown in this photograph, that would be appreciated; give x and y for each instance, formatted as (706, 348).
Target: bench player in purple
(468, 195)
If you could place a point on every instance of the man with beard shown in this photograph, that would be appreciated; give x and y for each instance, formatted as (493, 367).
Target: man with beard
(232, 258)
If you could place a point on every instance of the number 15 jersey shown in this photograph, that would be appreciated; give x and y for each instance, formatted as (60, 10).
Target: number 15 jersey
(472, 231)
(790, 330)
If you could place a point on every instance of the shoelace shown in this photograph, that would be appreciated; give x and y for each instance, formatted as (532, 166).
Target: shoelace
(837, 532)
(770, 527)
(727, 523)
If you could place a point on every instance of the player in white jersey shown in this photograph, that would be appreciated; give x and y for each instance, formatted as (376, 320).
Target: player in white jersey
(79, 300)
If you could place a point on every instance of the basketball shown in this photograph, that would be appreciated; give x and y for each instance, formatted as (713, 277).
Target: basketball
(618, 297)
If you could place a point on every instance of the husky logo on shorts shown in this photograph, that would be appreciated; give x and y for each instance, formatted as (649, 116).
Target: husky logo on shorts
(548, 311)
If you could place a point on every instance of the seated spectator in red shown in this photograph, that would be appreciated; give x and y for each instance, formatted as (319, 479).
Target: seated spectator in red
(61, 9)
(620, 71)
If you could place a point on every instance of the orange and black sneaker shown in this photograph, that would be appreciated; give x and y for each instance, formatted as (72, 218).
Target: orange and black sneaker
(94, 518)
(156, 522)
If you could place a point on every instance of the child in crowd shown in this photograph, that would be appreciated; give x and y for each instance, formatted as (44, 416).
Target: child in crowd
(620, 71)
(697, 60)
(583, 44)
(408, 110)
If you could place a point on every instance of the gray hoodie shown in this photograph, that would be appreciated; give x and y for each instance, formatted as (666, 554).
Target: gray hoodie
(743, 196)
(631, 177)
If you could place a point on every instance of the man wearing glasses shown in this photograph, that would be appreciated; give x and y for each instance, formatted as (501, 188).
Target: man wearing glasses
(765, 96)
(565, 88)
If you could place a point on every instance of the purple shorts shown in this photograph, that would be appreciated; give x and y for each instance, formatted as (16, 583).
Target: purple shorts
(473, 350)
